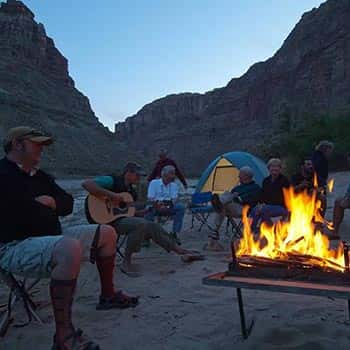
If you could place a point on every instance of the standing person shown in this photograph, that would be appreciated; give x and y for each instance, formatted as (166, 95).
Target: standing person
(33, 244)
(136, 228)
(340, 205)
(272, 198)
(163, 161)
(163, 193)
(320, 157)
(230, 204)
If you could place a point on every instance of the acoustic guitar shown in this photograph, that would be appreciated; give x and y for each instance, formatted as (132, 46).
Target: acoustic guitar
(103, 211)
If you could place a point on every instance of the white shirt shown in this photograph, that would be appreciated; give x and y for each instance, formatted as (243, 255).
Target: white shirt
(158, 191)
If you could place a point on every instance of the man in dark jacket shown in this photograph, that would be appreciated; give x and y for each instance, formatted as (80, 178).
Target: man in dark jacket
(272, 198)
(304, 180)
(162, 162)
(32, 242)
(230, 204)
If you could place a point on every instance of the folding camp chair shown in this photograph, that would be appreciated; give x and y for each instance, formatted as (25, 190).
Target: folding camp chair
(235, 227)
(18, 292)
(120, 242)
(201, 209)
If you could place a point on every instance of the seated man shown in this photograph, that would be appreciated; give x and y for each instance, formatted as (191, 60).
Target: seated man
(136, 228)
(272, 198)
(33, 244)
(304, 180)
(340, 205)
(230, 204)
(163, 193)
(163, 161)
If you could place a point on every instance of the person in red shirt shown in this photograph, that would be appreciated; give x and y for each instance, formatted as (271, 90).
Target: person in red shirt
(162, 162)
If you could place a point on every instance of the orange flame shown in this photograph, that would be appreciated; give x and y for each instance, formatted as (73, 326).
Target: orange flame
(315, 181)
(298, 236)
(330, 185)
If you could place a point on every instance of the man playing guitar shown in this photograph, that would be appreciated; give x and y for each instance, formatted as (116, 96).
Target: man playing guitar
(136, 228)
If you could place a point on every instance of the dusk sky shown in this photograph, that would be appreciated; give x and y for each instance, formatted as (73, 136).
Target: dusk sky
(124, 54)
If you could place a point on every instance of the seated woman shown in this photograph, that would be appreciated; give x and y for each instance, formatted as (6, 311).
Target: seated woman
(272, 199)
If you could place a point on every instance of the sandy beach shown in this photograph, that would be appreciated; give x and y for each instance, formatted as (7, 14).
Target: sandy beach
(177, 312)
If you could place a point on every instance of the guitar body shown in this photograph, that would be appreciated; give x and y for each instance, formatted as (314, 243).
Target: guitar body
(102, 211)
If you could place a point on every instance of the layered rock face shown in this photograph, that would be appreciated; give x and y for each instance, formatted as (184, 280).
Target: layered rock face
(309, 74)
(36, 90)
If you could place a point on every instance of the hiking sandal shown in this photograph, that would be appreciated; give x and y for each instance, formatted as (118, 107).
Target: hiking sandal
(118, 301)
(78, 342)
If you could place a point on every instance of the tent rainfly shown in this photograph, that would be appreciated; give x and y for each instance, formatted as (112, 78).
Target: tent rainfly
(222, 173)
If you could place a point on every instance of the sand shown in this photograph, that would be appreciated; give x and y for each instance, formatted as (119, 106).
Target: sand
(177, 312)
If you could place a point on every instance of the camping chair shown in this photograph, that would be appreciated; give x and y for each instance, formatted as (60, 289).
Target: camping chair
(236, 228)
(120, 242)
(18, 292)
(201, 209)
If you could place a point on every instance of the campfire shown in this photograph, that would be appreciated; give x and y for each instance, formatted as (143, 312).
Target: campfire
(291, 249)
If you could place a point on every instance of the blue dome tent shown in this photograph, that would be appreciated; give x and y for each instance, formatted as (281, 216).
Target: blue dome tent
(222, 173)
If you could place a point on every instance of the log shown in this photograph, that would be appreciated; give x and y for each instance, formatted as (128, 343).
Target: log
(292, 260)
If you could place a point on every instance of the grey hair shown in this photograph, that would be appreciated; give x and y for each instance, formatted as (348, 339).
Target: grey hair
(247, 170)
(168, 169)
(274, 162)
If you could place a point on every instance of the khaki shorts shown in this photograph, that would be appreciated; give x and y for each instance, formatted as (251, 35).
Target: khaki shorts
(32, 257)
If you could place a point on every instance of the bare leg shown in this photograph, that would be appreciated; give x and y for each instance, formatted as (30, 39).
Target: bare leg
(107, 241)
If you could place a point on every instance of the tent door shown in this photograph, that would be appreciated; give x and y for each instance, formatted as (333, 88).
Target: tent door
(225, 177)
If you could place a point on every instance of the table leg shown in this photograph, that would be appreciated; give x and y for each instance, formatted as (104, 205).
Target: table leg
(245, 332)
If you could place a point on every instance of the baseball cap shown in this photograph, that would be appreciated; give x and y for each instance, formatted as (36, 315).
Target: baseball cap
(27, 133)
(134, 168)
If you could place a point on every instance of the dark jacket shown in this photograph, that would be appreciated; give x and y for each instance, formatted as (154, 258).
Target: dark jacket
(156, 173)
(272, 191)
(302, 182)
(320, 164)
(21, 216)
(248, 194)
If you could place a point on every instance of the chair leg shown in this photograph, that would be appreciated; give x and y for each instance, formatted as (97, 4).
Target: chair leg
(7, 320)
(119, 246)
(203, 219)
(227, 226)
(19, 292)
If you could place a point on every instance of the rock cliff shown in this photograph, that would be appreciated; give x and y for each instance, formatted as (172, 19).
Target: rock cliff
(36, 90)
(309, 74)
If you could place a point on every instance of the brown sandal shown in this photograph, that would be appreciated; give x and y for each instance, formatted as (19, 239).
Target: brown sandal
(77, 342)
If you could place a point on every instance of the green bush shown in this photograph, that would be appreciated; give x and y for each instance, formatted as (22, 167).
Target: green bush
(299, 140)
